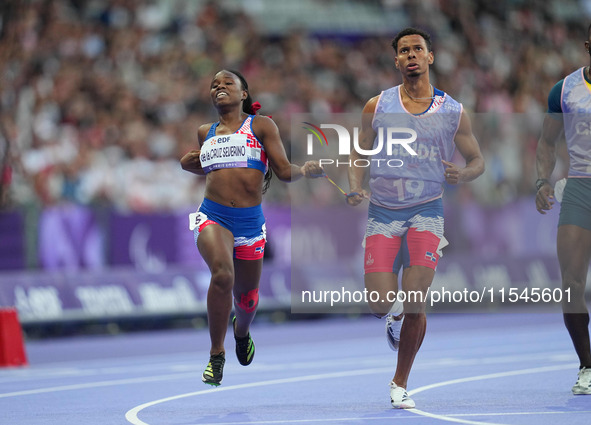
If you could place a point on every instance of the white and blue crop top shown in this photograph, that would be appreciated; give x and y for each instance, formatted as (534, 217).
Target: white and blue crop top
(241, 149)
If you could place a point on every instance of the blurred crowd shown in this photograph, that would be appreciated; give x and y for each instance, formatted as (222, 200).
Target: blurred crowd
(99, 99)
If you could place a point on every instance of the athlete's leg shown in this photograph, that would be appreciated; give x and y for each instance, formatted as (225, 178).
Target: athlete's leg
(386, 285)
(382, 260)
(422, 246)
(574, 254)
(246, 293)
(416, 280)
(216, 246)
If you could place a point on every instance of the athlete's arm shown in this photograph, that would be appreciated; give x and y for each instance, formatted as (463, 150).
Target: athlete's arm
(190, 161)
(268, 133)
(552, 130)
(467, 145)
(366, 139)
(546, 149)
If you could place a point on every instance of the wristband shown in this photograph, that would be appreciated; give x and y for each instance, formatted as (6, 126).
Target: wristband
(540, 183)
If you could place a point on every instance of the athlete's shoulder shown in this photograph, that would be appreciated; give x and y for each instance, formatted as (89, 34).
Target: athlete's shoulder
(262, 121)
(262, 124)
(389, 93)
(203, 131)
(207, 126)
(371, 105)
(374, 100)
(385, 97)
(555, 98)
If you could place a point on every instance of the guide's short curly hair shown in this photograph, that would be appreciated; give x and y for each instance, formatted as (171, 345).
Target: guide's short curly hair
(412, 31)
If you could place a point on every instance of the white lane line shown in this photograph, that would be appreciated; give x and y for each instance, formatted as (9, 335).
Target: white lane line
(95, 385)
(503, 359)
(331, 420)
(132, 414)
(516, 413)
(373, 361)
(479, 378)
(451, 419)
(132, 417)
(492, 376)
(390, 418)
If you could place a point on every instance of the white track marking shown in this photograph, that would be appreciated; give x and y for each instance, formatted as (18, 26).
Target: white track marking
(387, 418)
(21, 375)
(492, 376)
(330, 420)
(479, 378)
(95, 385)
(132, 415)
(514, 413)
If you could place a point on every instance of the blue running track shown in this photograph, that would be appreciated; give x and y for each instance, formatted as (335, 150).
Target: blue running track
(472, 369)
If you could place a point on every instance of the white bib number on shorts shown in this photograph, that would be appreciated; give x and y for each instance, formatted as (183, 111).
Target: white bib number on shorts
(196, 219)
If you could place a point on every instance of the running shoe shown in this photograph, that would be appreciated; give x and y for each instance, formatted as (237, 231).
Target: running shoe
(214, 372)
(399, 397)
(244, 347)
(393, 326)
(583, 385)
